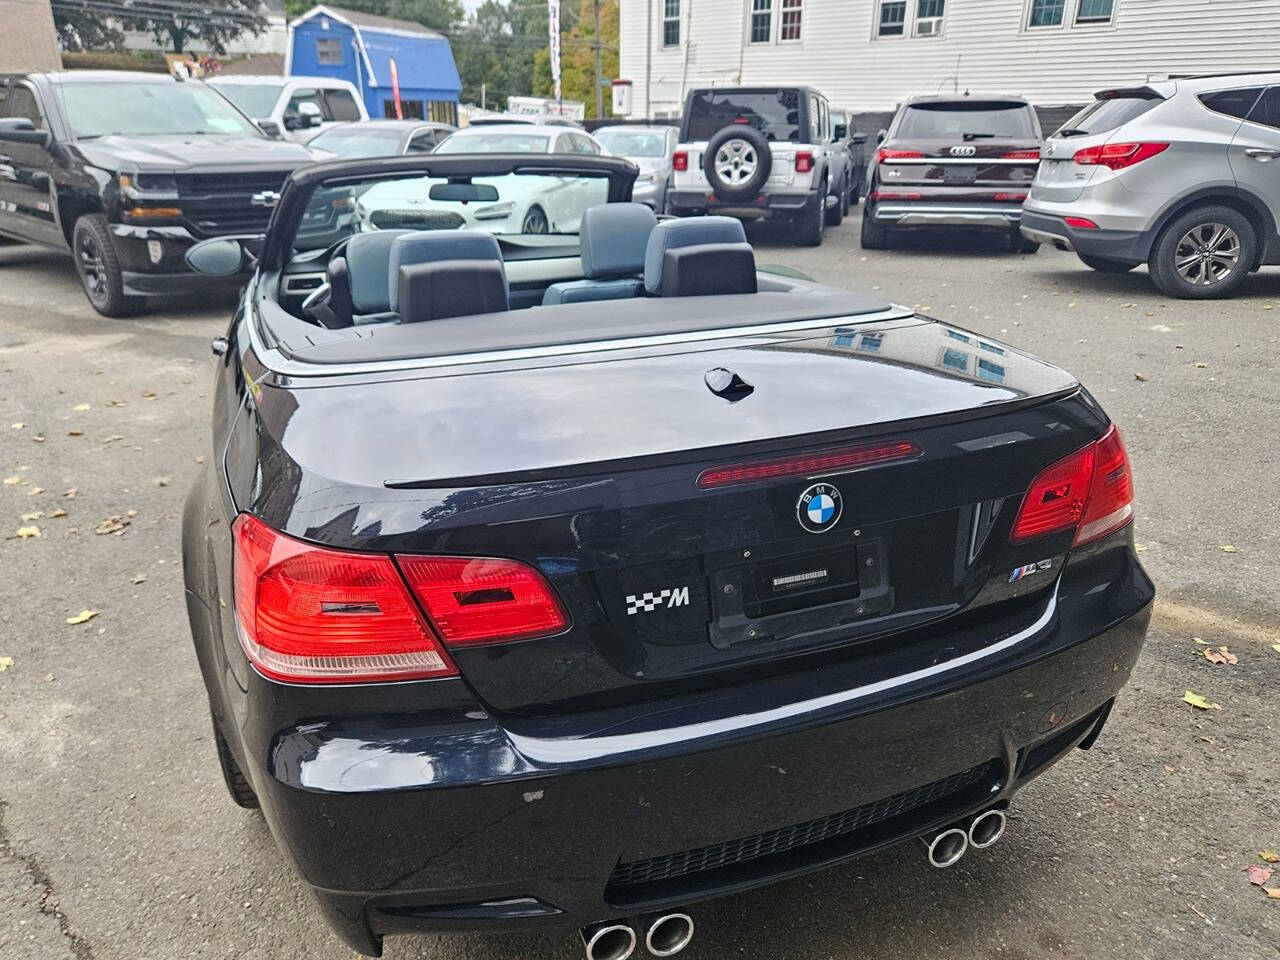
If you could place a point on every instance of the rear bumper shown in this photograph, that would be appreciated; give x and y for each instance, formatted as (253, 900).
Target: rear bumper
(1111, 244)
(768, 206)
(926, 215)
(444, 819)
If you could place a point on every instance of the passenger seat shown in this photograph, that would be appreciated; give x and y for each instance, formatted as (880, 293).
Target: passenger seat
(436, 274)
(612, 237)
(700, 256)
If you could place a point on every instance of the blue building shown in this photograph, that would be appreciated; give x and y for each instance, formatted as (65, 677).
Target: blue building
(370, 51)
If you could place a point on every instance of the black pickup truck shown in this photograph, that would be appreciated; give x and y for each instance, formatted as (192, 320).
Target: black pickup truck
(128, 170)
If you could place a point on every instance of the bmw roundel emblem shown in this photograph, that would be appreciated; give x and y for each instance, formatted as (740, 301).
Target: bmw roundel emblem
(818, 508)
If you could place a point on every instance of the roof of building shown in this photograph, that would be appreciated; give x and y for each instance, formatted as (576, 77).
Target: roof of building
(367, 21)
(258, 65)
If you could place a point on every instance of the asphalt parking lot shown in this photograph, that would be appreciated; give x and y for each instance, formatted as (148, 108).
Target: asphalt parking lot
(117, 839)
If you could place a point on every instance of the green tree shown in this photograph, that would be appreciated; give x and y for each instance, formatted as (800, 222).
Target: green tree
(440, 15)
(212, 27)
(81, 26)
(494, 50)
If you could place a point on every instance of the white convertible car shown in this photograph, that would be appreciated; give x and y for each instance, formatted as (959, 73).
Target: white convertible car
(524, 204)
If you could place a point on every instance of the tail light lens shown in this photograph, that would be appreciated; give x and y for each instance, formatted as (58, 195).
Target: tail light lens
(804, 161)
(308, 614)
(1023, 154)
(1011, 197)
(475, 600)
(1117, 156)
(888, 156)
(893, 195)
(680, 160)
(1080, 223)
(1090, 491)
(813, 464)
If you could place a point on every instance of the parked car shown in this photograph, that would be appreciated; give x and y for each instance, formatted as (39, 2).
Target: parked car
(537, 119)
(1179, 174)
(545, 204)
(575, 625)
(299, 107)
(379, 138)
(959, 163)
(126, 171)
(854, 143)
(650, 149)
(758, 153)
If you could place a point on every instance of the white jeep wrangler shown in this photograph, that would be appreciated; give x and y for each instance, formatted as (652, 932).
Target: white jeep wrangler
(758, 153)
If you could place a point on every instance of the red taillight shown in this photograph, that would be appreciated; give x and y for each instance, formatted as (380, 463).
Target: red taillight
(1091, 491)
(1080, 223)
(1023, 154)
(1117, 156)
(477, 600)
(1010, 197)
(888, 156)
(893, 195)
(308, 614)
(812, 464)
(804, 161)
(680, 160)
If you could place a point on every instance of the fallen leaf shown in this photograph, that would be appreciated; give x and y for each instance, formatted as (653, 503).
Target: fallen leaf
(148, 394)
(1200, 641)
(1221, 655)
(1199, 702)
(1276, 647)
(1168, 768)
(5, 663)
(112, 524)
(26, 533)
(1258, 875)
(84, 616)
(38, 438)
(35, 491)
(17, 426)
(1197, 912)
(1201, 366)
(1159, 327)
(81, 407)
(58, 513)
(162, 481)
(75, 433)
(1229, 549)
(1140, 376)
(12, 481)
(199, 459)
(140, 578)
(1139, 547)
(69, 494)
(33, 515)
(1269, 855)
(1273, 893)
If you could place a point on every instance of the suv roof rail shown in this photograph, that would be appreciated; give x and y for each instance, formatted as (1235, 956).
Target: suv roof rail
(1216, 76)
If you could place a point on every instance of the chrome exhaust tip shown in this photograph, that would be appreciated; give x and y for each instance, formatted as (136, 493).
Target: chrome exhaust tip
(668, 934)
(986, 829)
(947, 847)
(608, 941)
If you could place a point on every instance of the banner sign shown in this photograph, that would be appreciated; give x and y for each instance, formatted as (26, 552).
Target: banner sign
(553, 28)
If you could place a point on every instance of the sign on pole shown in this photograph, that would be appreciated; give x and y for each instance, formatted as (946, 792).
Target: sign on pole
(553, 27)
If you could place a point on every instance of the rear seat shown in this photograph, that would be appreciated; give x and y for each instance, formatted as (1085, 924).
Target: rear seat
(700, 256)
(439, 274)
(613, 238)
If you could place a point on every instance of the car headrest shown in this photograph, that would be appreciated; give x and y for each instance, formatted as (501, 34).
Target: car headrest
(613, 238)
(367, 255)
(430, 246)
(672, 234)
(707, 269)
(451, 288)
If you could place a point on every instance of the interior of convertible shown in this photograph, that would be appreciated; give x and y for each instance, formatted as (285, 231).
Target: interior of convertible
(410, 261)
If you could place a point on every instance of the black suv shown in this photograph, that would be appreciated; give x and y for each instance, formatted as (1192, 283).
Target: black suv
(128, 170)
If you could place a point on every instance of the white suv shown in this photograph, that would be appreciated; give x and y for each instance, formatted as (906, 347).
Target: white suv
(758, 153)
(299, 107)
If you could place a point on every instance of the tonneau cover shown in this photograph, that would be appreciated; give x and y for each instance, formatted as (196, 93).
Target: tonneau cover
(575, 323)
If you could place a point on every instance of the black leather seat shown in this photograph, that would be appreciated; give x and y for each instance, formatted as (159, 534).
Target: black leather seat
(700, 256)
(451, 288)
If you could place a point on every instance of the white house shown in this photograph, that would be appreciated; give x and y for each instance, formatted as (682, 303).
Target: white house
(871, 54)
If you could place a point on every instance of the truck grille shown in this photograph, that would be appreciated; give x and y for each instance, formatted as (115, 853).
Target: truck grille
(628, 879)
(218, 204)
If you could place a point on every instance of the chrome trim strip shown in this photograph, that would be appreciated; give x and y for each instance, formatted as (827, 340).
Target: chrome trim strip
(291, 280)
(547, 751)
(277, 362)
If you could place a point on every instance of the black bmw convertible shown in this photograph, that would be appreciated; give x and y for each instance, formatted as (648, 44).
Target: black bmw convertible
(573, 578)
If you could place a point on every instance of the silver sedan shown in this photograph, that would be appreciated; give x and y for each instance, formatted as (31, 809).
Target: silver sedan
(650, 149)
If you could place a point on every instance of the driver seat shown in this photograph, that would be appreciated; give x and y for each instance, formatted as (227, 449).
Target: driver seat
(358, 279)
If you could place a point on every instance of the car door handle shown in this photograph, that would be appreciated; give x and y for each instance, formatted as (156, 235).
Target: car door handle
(1264, 155)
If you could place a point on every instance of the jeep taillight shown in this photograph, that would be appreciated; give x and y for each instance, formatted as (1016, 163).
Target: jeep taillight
(680, 160)
(804, 161)
(1090, 491)
(1117, 156)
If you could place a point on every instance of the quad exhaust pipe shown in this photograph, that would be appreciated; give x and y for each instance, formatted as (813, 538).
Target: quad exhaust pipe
(665, 935)
(947, 846)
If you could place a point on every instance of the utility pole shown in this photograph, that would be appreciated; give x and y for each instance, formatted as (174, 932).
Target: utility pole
(599, 89)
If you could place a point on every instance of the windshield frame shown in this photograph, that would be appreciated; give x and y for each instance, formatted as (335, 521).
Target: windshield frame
(295, 196)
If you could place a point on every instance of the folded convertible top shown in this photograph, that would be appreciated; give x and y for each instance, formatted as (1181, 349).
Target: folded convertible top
(570, 323)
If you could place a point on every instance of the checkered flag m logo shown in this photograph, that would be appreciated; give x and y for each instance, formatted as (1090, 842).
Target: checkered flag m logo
(649, 602)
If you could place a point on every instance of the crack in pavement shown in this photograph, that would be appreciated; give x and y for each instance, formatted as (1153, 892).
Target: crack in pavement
(48, 903)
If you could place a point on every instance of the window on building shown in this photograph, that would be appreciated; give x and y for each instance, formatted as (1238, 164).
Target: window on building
(1095, 11)
(671, 23)
(929, 17)
(329, 51)
(893, 18)
(1046, 13)
(761, 21)
(789, 28)
(443, 111)
(341, 104)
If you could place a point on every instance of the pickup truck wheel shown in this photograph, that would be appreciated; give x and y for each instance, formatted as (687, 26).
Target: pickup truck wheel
(99, 268)
(874, 236)
(1204, 254)
(237, 785)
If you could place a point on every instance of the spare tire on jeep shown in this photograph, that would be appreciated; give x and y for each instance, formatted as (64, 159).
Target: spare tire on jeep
(737, 162)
